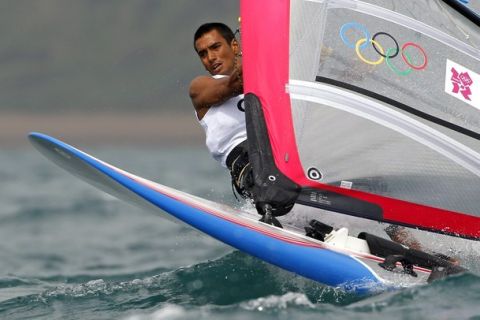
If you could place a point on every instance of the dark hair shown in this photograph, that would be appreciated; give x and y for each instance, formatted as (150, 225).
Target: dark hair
(222, 28)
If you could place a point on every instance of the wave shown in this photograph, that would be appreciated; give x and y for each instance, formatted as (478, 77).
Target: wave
(229, 280)
(437, 300)
(235, 284)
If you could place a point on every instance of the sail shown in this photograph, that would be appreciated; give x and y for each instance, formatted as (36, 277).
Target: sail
(371, 108)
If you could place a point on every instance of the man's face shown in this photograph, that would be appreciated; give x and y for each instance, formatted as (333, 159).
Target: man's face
(217, 56)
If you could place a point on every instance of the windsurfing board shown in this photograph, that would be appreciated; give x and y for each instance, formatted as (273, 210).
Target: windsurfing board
(340, 260)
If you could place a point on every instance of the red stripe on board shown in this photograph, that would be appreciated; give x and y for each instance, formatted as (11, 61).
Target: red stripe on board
(207, 209)
(261, 229)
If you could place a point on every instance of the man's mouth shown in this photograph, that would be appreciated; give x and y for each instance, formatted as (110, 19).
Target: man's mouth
(216, 67)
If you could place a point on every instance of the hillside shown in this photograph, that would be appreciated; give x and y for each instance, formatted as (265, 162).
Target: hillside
(101, 55)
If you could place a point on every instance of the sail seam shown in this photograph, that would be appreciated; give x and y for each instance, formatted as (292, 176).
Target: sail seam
(402, 106)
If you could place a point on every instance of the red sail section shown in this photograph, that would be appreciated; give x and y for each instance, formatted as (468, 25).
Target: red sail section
(265, 47)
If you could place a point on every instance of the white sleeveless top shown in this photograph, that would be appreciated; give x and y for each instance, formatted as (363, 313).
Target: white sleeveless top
(225, 128)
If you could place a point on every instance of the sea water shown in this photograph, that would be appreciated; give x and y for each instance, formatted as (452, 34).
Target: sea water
(68, 251)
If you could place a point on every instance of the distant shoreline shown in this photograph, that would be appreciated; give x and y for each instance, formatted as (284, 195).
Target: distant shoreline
(94, 129)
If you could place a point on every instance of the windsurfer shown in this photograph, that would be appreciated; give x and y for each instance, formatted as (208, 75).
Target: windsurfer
(218, 98)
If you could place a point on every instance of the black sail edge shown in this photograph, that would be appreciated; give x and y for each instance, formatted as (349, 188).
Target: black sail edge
(270, 185)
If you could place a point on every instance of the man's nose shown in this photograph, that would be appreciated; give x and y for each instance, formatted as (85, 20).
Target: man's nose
(211, 56)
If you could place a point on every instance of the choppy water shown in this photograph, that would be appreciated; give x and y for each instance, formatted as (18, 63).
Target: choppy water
(68, 251)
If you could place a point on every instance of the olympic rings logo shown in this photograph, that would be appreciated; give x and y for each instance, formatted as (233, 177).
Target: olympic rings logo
(385, 55)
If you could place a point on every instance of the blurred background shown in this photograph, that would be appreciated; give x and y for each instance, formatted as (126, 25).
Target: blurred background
(102, 71)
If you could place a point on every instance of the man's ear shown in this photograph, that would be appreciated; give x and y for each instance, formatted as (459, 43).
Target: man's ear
(235, 46)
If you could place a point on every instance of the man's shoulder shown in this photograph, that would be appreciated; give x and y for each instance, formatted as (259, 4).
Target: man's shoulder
(199, 82)
(200, 78)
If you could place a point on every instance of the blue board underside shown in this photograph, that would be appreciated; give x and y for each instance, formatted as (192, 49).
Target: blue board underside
(319, 264)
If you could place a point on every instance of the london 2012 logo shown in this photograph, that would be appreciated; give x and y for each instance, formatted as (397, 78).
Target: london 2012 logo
(462, 83)
(385, 54)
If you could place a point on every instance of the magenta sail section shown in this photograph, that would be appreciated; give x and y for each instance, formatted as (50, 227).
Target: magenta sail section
(265, 47)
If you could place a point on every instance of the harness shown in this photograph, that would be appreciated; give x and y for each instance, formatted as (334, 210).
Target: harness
(240, 171)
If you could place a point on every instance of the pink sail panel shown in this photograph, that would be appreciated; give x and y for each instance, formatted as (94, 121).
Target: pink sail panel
(265, 47)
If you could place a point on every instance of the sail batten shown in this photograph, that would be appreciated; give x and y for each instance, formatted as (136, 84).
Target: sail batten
(401, 106)
(373, 111)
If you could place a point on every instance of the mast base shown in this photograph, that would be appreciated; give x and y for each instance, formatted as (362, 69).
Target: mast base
(267, 216)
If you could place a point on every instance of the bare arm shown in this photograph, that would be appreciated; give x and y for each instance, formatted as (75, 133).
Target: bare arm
(206, 91)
